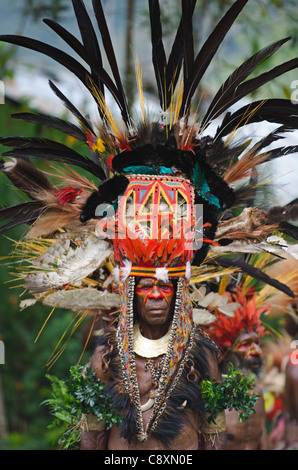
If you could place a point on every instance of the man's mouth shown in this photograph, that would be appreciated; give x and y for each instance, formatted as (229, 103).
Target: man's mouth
(156, 309)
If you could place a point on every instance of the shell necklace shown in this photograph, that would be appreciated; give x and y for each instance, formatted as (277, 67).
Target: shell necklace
(149, 348)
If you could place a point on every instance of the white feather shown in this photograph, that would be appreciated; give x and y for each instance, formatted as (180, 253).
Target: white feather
(73, 266)
(116, 273)
(201, 316)
(125, 270)
(162, 274)
(9, 165)
(27, 303)
(188, 270)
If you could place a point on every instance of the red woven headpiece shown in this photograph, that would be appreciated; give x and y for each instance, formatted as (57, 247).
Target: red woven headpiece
(225, 330)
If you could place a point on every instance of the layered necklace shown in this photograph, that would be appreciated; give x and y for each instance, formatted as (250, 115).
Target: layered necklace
(150, 349)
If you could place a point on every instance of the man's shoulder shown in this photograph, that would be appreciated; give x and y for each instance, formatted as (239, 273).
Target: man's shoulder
(203, 341)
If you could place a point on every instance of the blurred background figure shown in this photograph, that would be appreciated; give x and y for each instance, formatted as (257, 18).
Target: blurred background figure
(239, 338)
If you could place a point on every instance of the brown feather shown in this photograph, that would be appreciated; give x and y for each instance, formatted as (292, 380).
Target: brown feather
(243, 167)
(26, 177)
(259, 234)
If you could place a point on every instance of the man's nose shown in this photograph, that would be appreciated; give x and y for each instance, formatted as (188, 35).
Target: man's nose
(155, 293)
(254, 350)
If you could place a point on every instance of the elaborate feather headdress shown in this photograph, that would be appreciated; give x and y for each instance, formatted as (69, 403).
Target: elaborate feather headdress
(174, 146)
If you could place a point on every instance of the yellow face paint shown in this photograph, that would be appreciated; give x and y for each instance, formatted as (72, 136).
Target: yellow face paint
(248, 348)
(151, 288)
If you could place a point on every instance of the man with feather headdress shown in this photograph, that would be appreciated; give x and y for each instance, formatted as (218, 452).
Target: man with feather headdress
(239, 340)
(151, 177)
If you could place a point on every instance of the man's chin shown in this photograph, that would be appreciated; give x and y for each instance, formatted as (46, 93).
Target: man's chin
(253, 366)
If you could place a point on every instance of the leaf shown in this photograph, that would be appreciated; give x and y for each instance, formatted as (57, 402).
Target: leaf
(81, 394)
(230, 394)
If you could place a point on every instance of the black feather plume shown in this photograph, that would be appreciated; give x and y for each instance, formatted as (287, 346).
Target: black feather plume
(46, 149)
(23, 213)
(82, 120)
(281, 151)
(108, 192)
(25, 176)
(177, 52)
(75, 44)
(61, 125)
(289, 229)
(109, 50)
(69, 62)
(275, 110)
(56, 54)
(254, 272)
(188, 39)
(167, 72)
(227, 94)
(158, 52)
(89, 40)
(207, 53)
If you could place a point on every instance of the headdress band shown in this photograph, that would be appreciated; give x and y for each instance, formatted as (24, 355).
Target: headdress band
(144, 271)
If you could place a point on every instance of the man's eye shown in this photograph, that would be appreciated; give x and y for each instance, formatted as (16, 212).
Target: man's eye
(166, 288)
(244, 345)
(144, 288)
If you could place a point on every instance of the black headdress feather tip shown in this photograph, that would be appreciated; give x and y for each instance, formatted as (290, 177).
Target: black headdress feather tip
(23, 213)
(108, 193)
(175, 145)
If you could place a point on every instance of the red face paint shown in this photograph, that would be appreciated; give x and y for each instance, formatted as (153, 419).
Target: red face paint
(154, 289)
(154, 301)
(248, 348)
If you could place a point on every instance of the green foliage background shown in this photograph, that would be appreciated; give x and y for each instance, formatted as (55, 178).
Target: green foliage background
(24, 384)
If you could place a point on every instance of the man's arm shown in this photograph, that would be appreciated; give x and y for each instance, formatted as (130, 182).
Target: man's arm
(214, 434)
(218, 442)
(94, 434)
(93, 440)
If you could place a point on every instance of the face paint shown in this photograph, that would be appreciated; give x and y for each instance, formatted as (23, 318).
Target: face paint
(153, 289)
(248, 349)
(154, 301)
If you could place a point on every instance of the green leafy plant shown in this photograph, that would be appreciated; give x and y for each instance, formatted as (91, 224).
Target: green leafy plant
(80, 394)
(233, 393)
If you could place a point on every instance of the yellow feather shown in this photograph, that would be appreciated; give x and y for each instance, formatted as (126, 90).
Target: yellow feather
(55, 355)
(176, 100)
(139, 80)
(44, 324)
(103, 106)
(246, 117)
(223, 284)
